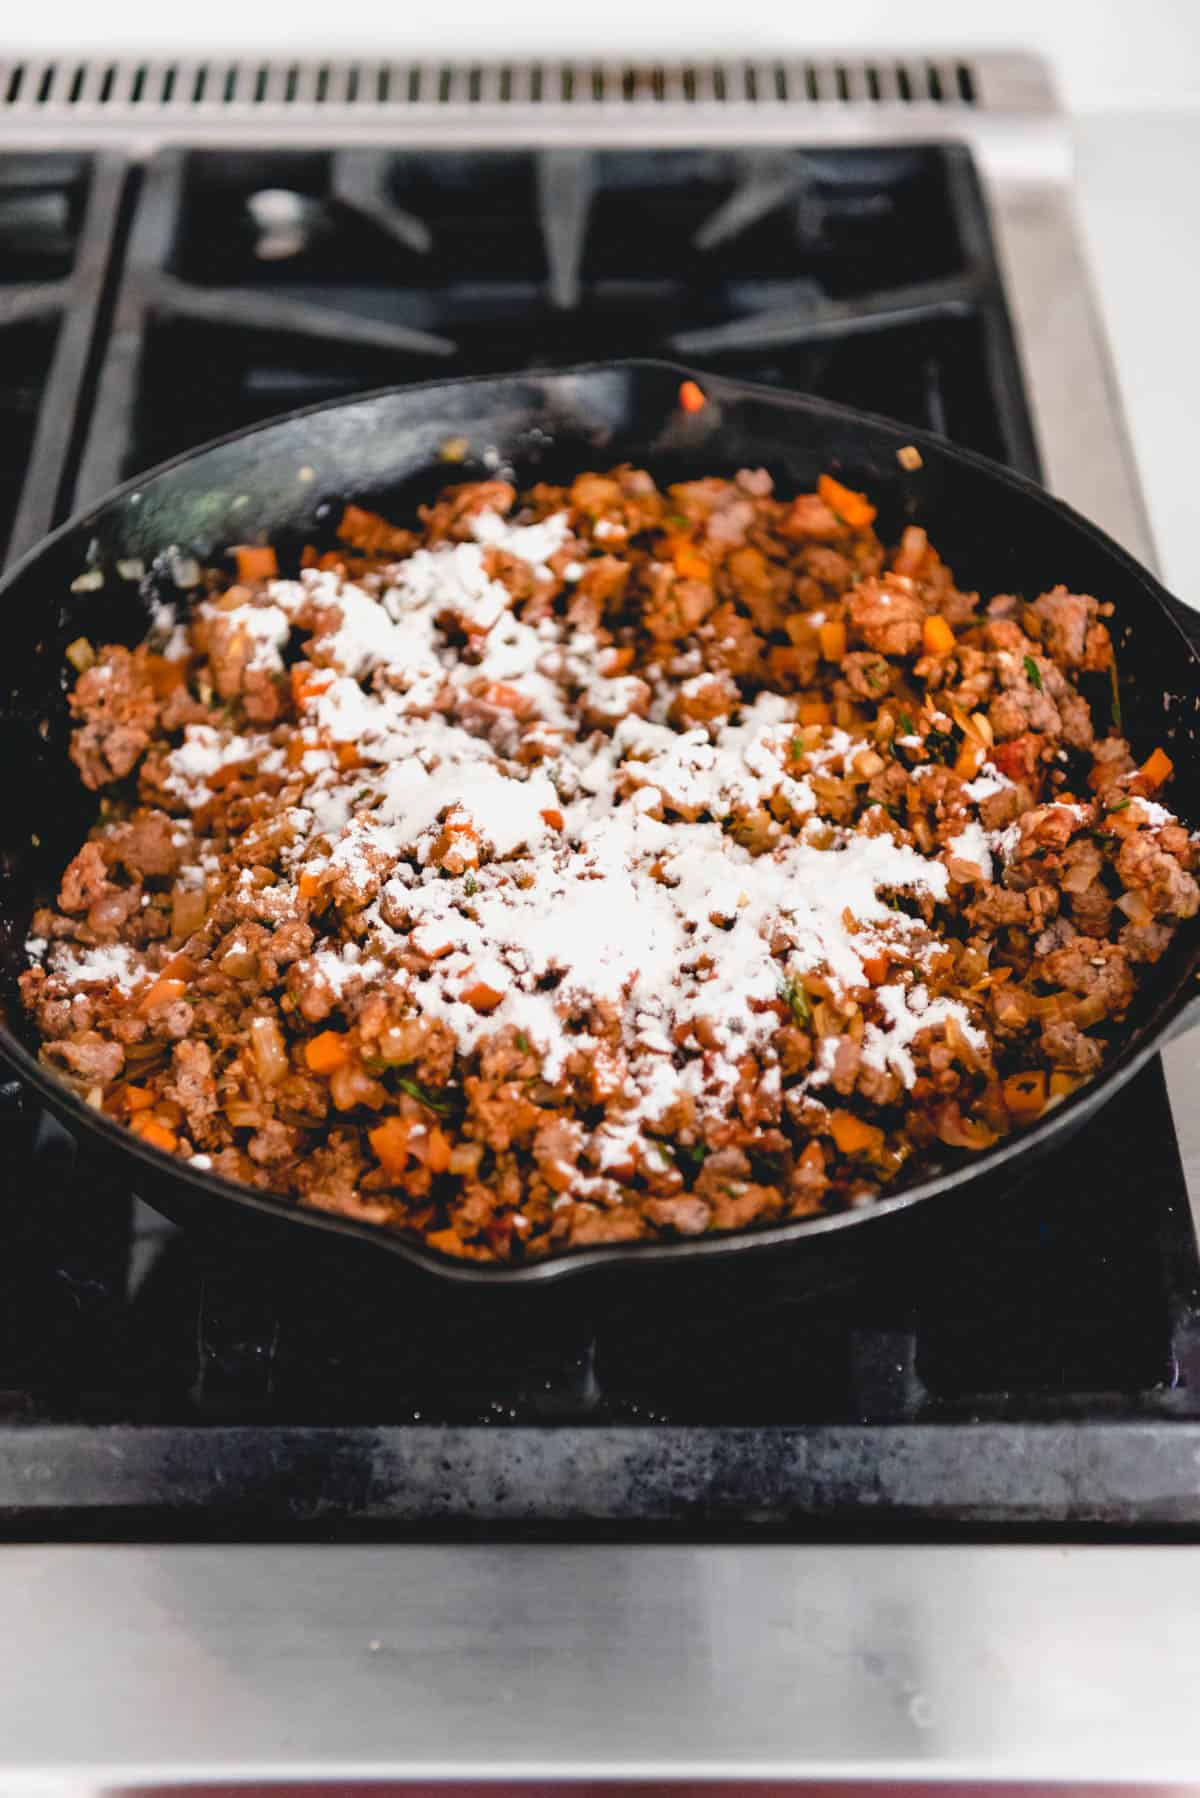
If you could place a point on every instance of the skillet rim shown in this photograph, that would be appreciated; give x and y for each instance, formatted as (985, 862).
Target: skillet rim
(1029, 1144)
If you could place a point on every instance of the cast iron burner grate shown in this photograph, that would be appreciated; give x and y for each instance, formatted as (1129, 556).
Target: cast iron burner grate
(58, 217)
(258, 280)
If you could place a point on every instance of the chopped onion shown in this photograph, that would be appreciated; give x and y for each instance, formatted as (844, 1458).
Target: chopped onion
(270, 1050)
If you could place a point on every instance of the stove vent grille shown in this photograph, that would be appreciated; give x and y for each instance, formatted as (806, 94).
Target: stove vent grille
(200, 89)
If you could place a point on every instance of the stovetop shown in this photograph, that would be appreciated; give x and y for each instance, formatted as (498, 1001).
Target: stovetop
(1032, 1360)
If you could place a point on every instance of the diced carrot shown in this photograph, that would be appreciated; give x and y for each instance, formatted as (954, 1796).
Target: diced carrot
(227, 773)
(553, 817)
(389, 1141)
(448, 1241)
(255, 562)
(309, 885)
(1062, 1083)
(832, 635)
(853, 1136)
(1157, 768)
(690, 565)
(308, 682)
(137, 1098)
(326, 1053)
(875, 967)
(438, 1157)
(691, 397)
(814, 711)
(498, 693)
(970, 759)
(151, 1131)
(813, 1155)
(938, 635)
(852, 508)
(180, 967)
(165, 674)
(1025, 1094)
(480, 996)
(162, 992)
(347, 756)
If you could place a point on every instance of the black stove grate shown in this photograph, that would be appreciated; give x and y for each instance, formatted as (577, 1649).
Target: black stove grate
(58, 224)
(256, 281)
(1032, 1361)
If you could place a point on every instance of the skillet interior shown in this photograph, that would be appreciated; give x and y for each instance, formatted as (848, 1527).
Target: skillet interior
(286, 483)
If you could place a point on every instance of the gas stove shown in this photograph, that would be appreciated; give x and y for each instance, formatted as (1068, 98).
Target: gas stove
(185, 249)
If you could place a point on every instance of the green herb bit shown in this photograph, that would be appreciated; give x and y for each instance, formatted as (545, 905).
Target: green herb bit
(1119, 806)
(415, 1090)
(907, 725)
(793, 994)
(797, 748)
(873, 681)
(941, 746)
(1034, 673)
(522, 1042)
(677, 519)
(694, 1153)
(470, 886)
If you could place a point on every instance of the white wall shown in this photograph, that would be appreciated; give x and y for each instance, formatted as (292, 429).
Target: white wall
(1108, 53)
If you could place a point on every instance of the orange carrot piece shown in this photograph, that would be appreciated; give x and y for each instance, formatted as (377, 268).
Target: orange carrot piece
(970, 759)
(309, 885)
(137, 1098)
(938, 636)
(448, 1241)
(854, 509)
(1157, 768)
(255, 562)
(853, 1136)
(814, 712)
(162, 992)
(151, 1131)
(180, 967)
(833, 639)
(690, 565)
(480, 996)
(813, 1155)
(875, 967)
(691, 397)
(438, 1157)
(553, 817)
(1025, 1094)
(389, 1141)
(327, 1052)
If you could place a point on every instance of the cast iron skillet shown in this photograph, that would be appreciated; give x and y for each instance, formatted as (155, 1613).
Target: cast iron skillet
(286, 482)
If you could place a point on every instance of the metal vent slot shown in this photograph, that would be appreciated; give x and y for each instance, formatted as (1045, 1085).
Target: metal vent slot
(177, 89)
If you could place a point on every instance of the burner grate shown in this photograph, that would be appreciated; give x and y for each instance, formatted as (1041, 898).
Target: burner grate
(58, 216)
(260, 280)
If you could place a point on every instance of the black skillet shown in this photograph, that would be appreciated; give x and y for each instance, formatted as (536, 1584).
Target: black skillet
(285, 483)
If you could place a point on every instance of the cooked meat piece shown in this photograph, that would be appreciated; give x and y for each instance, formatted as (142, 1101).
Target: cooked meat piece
(601, 864)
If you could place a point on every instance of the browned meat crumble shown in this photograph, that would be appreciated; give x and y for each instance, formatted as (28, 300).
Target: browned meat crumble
(601, 864)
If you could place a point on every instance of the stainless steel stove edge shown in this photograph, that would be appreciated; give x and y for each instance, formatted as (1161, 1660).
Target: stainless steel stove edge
(138, 1667)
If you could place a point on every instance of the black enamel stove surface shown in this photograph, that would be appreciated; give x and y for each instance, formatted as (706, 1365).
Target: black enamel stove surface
(1033, 1362)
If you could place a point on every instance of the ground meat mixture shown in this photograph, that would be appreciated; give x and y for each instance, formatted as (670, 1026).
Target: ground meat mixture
(601, 864)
